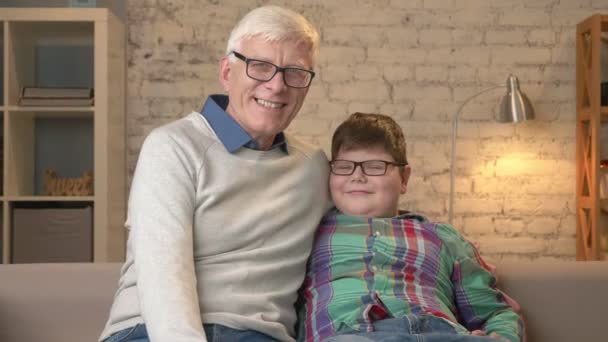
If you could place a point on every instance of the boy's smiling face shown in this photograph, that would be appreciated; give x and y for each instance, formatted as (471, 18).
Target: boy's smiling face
(368, 196)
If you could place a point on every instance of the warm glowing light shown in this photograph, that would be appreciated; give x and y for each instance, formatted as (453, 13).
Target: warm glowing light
(519, 166)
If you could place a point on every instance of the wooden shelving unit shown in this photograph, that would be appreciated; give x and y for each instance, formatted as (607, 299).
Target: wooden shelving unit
(591, 209)
(23, 32)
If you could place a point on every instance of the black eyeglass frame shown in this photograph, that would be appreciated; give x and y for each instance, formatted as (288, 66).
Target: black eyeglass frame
(276, 70)
(360, 164)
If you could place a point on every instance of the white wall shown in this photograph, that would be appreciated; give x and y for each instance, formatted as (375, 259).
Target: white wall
(416, 60)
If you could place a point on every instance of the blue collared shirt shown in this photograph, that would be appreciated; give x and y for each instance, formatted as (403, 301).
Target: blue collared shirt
(230, 133)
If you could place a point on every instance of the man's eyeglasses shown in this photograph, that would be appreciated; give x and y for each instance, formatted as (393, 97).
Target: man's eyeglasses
(369, 167)
(265, 71)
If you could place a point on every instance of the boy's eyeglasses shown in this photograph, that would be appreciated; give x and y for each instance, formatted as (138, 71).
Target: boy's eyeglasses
(264, 71)
(369, 167)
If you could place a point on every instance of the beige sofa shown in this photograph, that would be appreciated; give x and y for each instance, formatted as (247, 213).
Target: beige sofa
(70, 302)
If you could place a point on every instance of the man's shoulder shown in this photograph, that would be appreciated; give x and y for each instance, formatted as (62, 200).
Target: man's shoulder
(190, 128)
(192, 120)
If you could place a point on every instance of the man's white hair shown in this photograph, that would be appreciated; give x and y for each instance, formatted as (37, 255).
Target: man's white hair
(274, 24)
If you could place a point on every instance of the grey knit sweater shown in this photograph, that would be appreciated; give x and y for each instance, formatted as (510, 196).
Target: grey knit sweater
(217, 237)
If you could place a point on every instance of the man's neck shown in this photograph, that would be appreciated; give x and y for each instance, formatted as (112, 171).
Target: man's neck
(264, 143)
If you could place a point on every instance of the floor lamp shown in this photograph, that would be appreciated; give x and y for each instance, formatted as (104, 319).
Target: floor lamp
(514, 107)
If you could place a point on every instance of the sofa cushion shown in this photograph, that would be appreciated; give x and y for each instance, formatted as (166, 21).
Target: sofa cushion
(55, 302)
(71, 302)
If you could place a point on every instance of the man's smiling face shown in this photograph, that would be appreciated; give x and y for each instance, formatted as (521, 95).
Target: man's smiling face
(264, 109)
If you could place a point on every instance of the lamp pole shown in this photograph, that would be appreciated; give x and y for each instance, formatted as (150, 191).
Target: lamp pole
(453, 153)
(515, 107)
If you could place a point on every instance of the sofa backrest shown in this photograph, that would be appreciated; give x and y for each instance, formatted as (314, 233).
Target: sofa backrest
(565, 301)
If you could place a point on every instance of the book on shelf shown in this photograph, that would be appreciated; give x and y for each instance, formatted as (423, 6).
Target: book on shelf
(57, 92)
(56, 102)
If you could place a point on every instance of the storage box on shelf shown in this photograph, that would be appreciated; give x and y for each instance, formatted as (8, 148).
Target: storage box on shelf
(63, 48)
(52, 235)
(591, 62)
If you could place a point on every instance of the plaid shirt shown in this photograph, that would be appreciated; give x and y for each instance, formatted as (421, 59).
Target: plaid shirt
(365, 269)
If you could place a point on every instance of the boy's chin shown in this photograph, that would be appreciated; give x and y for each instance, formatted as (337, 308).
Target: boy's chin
(365, 212)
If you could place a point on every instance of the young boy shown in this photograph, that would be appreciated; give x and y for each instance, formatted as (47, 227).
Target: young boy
(377, 274)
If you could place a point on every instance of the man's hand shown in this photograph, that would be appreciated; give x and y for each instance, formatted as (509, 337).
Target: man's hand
(492, 335)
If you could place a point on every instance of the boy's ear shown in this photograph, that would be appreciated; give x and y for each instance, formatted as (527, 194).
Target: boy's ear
(405, 177)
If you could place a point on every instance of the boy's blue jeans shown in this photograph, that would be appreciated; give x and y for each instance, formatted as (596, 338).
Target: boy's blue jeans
(410, 328)
(407, 329)
(214, 332)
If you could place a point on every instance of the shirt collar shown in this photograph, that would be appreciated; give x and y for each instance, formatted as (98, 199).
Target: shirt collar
(402, 215)
(230, 133)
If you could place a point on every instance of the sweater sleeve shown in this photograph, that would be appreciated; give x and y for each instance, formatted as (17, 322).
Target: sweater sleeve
(161, 207)
(479, 304)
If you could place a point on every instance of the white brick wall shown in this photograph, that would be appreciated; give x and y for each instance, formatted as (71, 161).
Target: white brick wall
(415, 60)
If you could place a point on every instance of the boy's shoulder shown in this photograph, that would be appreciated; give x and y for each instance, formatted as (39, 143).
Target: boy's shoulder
(445, 231)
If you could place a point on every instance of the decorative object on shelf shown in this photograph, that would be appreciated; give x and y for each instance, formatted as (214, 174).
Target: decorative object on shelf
(57, 92)
(514, 107)
(56, 96)
(57, 186)
(51, 102)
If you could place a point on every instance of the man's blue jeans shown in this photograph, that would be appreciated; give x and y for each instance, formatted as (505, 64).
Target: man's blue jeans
(410, 328)
(214, 332)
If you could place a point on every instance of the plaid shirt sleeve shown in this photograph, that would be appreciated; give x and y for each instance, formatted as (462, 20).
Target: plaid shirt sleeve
(479, 304)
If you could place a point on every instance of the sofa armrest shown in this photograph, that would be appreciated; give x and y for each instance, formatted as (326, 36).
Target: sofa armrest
(560, 301)
(56, 302)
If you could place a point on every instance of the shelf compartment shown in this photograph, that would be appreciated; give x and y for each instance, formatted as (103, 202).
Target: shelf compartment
(2, 79)
(43, 54)
(603, 229)
(4, 236)
(2, 153)
(37, 141)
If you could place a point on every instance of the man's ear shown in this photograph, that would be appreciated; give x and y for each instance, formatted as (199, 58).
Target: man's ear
(225, 72)
(405, 177)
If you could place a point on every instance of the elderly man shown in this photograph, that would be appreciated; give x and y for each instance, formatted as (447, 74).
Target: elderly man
(224, 204)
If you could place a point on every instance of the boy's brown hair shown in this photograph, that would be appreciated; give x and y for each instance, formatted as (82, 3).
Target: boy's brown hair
(363, 130)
